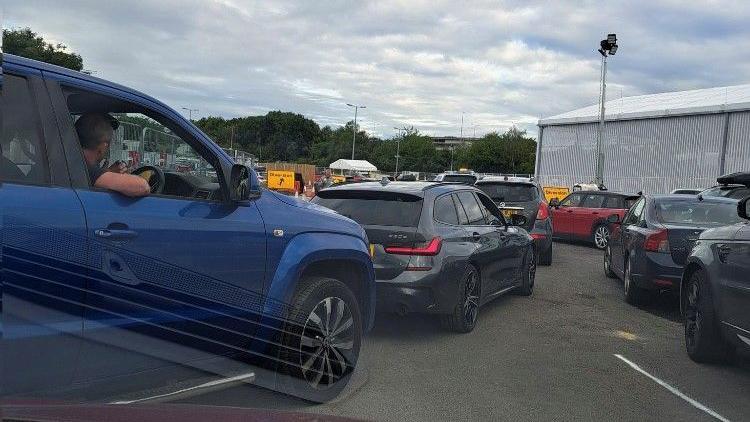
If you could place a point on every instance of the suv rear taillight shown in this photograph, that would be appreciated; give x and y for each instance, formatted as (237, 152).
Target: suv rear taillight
(431, 249)
(543, 212)
(657, 242)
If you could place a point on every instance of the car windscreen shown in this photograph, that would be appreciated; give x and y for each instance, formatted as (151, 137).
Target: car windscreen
(509, 192)
(696, 213)
(460, 178)
(373, 208)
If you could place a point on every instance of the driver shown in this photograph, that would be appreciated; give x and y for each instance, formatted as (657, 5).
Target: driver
(95, 131)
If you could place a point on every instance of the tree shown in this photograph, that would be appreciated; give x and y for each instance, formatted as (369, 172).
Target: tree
(26, 43)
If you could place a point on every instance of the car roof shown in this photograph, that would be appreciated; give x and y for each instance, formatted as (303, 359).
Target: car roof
(413, 188)
(508, 179)
(606, 192)
(712, 199)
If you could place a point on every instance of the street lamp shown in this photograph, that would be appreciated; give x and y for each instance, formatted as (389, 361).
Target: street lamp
(398, 145)
(607, 47)
(354, 129)
(190, 112)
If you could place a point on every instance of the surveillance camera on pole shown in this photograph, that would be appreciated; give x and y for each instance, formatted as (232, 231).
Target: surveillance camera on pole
(607, 47)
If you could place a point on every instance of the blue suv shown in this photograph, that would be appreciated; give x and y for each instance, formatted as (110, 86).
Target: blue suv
(208, 271)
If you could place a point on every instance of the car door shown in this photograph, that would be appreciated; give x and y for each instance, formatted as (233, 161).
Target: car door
(510, 252)
(178, 276)
(632, 234)
(591, 211)
(484, 238)
(563, 215)
(736, 288)
(42, 244)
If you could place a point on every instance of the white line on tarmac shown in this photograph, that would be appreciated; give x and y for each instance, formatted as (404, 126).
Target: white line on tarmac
(673, 390)
(249, 377)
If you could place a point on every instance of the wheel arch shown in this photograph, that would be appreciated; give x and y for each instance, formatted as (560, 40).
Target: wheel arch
(691, 267)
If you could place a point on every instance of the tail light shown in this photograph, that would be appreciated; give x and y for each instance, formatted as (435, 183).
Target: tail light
(543, 212)
(657, 242)
(431, 249)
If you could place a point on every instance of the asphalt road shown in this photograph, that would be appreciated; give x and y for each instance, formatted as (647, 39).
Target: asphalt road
(550, 356)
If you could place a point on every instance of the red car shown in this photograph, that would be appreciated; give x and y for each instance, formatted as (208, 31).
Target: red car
(583, 215)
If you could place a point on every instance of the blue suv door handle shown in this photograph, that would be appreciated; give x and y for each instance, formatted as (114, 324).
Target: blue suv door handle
(115, 234)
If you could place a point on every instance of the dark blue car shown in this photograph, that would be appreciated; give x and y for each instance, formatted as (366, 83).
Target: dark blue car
(209, 271)
(649, 247)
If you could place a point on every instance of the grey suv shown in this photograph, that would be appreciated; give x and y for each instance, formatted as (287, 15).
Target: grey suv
(438, 248)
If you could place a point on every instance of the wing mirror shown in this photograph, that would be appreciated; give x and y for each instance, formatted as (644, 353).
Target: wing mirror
(243, 183)
(614, 219)
(554, 203)
(743, 208)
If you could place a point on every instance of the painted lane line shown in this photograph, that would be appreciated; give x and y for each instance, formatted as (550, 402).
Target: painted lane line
(246, 378)
(673, 390)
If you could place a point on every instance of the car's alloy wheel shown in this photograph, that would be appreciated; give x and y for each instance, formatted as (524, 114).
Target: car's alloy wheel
(703, 339)
(471, 299)
(327, 342)
(463, 317)
(693, 315)
(601, 236)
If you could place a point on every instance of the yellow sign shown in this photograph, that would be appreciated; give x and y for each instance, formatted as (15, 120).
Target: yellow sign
(558, 192)
(338, 179)
(280, 180)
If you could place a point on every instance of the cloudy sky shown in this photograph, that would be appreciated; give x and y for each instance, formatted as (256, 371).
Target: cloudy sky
(415, 63)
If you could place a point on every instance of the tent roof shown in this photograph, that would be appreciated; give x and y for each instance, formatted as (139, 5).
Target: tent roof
(358, 165)
(697, 101)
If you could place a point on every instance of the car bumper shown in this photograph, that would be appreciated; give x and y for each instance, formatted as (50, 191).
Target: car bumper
(657, 271)
(542, 234)
(431, 292)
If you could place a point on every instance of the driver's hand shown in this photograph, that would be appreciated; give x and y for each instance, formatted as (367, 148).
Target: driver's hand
(118, 167)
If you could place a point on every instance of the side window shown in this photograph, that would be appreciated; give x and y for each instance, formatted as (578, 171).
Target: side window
(572, 200)
(22, 154)
(143, 137)
(593, 201)
(445, 210)
(634, 215)
(462, 218)
(490, 209)
(473, 210)
(614, 202)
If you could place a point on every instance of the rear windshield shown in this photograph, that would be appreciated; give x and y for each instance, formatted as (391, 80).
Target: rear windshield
(696, 213)
(460, 178)
(509, 192)
(735, 192)
(370, 208)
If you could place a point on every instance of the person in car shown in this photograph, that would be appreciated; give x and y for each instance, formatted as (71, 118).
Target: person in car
(95, 132)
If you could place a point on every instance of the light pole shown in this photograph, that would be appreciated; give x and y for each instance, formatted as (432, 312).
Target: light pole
(607, 47)
(354, 129)
(398, 146)
(462, 126)
(190, 112)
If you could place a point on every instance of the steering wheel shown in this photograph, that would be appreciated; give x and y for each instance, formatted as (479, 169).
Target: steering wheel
(153, 175)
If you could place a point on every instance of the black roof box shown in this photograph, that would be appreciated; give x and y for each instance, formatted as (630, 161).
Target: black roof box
(739, 178)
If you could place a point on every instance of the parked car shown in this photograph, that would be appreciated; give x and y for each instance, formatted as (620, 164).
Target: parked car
(208, 275)
(467, 178)
(438, 248)
(583, 215)
(733, 185)
(648, 248)
(715, 291)
(526, 197)
(686, 191)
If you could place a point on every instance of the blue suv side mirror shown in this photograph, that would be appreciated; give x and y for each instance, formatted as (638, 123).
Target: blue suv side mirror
(243, 183)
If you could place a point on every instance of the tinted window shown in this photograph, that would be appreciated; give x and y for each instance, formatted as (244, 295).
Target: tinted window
(696, 213)
(472, 208)
(634, 215)
(509, 192)
(490, 209)
(573, 200)
(445, 210)
(372, 208)
(738, 193)
(22, 154)
(460, 178)
(614, 202)
(593, 201)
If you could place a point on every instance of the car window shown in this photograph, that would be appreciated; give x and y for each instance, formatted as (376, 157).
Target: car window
(572, 200)
(593, 201)
(373, 208)
(509, 192)
(473, 209)
(696, 213)
(22, 153)
(445, 210)
(614, 202)
(738, 193)
(144, 138)
(490, 210)
(460, 178)
(634, 215)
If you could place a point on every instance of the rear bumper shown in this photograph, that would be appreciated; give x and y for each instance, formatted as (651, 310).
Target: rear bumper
(430, 292)
(656, 271)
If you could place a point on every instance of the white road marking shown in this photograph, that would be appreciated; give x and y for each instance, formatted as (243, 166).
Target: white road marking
(249, 377)
(673, 390)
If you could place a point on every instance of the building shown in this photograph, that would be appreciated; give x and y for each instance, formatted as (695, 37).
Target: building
(651, 143)
(445, 143)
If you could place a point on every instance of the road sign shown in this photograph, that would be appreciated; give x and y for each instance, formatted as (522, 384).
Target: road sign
(281, 180)
(558, 192)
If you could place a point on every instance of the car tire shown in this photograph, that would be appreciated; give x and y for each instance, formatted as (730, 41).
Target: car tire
(600, 236)
(703, 339)
(608, 263)
(634, 295)
(319, 357)
(545, 258)
(463, 319)
(526, 288)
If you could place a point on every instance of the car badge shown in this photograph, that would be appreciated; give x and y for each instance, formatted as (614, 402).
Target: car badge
(501, 205)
